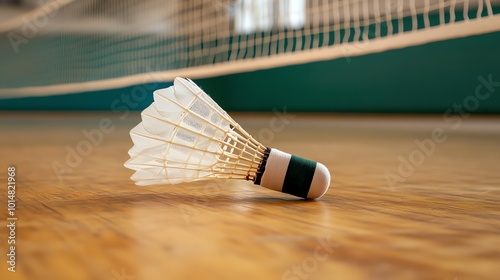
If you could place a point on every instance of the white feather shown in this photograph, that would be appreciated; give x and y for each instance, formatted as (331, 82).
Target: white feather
(184, 135)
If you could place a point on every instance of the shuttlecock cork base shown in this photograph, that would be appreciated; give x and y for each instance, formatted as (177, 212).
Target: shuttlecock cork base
(291, 174)
(185, 136)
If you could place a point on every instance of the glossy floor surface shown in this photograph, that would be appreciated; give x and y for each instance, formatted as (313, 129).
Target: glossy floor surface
(411, 197)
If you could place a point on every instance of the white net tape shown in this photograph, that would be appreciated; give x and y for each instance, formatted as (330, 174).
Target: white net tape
(64, 46)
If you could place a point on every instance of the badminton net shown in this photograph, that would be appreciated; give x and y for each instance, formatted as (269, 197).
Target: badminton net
(65, 46)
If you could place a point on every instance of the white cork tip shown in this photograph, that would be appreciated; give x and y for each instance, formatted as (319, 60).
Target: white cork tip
(320, 182)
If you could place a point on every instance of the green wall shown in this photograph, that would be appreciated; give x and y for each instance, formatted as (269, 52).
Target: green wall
(425, 79)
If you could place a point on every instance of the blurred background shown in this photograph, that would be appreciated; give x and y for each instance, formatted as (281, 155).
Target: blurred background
(315, 56)
(411, 196)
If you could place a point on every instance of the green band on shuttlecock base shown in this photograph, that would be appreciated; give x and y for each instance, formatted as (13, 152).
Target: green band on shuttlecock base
(299, 176)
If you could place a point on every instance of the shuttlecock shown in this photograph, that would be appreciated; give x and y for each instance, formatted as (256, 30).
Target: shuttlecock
(185, 136)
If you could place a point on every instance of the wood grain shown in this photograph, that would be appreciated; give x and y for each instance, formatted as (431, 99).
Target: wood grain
(440, 222)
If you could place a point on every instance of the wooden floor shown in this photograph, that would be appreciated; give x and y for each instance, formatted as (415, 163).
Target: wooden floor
(441, 221)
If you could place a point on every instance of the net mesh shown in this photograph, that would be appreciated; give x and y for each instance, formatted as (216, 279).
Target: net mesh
(64, 46)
